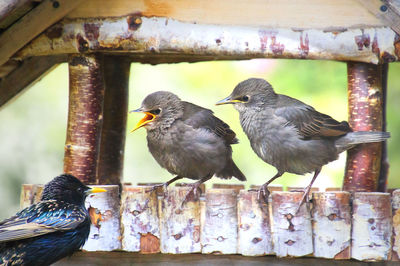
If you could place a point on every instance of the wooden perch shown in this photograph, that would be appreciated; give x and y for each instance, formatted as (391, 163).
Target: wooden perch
(160, 36)
(365, 114)
(85, 116)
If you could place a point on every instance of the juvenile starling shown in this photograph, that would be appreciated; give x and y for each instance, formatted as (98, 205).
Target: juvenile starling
(187, 140)
(289, 134)
(49, 230)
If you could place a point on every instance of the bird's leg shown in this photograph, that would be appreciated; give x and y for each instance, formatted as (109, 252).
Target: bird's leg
(195, 189)
(165, 185)
(307, 190)
(264, 188)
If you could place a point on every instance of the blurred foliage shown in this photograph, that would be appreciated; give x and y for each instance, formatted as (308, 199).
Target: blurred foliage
(34, 125)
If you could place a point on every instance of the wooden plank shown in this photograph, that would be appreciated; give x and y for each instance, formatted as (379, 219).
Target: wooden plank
(25, 75)
(35, 22)
(179, 223)
(236, 187)
(254, 228)
(162, 37)
(315, 14)
(11, 10)
(104, 213)
(396, 225)
(220, 228)
(372, 226)
(386, 11)
(292, 234)
(332, 225)
(139, 220)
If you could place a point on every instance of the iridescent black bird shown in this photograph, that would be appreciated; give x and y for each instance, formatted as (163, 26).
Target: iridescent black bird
(51, 229)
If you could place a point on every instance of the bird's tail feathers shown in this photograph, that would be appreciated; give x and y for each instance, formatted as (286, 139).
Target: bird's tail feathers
(231, 170)
(353, 138)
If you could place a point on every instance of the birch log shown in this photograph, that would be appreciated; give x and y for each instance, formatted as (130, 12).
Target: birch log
(365, 114)
(179, 223)
(236, 187)
(220, 230)
(104, 213)
(372, 226)
(332, 225)
(85, 116)
(396, 224)
(139, 220)
(292, 234)
(254, 233)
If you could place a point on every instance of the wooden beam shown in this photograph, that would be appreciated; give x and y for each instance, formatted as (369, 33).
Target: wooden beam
(111, 160)
(167, 37)
(387, 11)
(25, 75)
(86, 96)
(32, 24)
(11, 10)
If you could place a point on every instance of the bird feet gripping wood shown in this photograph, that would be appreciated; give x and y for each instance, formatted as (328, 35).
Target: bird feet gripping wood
(164, 185)
(195, 191)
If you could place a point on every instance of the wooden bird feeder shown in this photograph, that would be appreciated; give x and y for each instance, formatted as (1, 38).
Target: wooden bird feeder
(100, 38)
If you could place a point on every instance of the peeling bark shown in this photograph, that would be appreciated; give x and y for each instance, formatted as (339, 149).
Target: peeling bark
(254, 228)
(139, 220)
(104, 213)
(332, 225)
(372, 226)
(292, 233)
(365, 114)
(236, 187)
(112, 146)
(220, 229)
(396, 225)
(84, 117)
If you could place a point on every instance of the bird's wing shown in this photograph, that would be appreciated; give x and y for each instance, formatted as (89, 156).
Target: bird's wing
(39, 219)
(310, 122)
(199, 117)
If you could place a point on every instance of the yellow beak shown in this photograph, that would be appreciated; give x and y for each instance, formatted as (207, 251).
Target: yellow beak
(95, 190)
(145, 120)
(227, 100)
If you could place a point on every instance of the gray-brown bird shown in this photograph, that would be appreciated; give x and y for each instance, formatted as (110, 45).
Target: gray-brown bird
(289, 134)
(187, 140)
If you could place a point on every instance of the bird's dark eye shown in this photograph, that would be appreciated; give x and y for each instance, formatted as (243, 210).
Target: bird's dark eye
(156, 111)
(245, 98)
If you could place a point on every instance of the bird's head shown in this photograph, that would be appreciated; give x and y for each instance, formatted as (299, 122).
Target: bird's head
(251, 93)
(161, 108)
(68, 189)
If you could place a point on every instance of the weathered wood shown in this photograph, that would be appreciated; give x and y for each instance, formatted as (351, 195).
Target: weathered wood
(163, 36)
(365, 114)
(179, 223)
(220, 229)
(139, 220)
(284, 13)
(26, 75)
(270, 187)
(292, 234)
(386, 11)
(372, 226)
(313, 189)
(104, 213)
(112, 146)
(236, 187)
(331, 189)
(254, 231)
(32, 24)
(27, 195)
(396, 225)
(85, 116)
(332, 225)
(384, 172)
(202, 186)
(159, 190)
(11, 10)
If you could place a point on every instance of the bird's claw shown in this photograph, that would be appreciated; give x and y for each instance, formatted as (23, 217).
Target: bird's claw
(155, 187)
(192, 194)
(265, 193)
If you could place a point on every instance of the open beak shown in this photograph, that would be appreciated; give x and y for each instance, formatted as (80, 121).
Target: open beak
(95, 190)
(145, 120)
(227, 100)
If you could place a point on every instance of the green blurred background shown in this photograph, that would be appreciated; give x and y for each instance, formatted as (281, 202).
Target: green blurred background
(34, 125)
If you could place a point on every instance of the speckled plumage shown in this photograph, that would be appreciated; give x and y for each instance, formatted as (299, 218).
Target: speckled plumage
(188, 140)
(289, 134)
(47, 231)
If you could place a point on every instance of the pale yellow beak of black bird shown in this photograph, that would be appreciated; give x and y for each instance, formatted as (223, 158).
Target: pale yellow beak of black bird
(95, 190)
(145, 120)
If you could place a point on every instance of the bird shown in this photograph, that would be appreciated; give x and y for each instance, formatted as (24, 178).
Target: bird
(51, 229)
(289, 134)
(187, 140)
